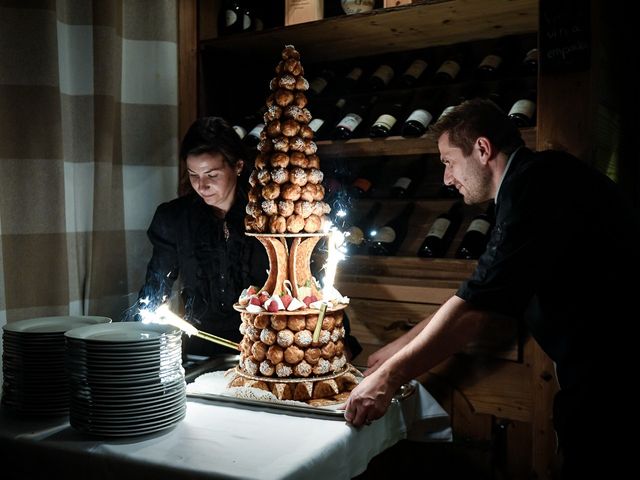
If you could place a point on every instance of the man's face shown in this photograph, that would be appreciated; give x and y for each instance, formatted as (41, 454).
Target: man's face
(469, 175)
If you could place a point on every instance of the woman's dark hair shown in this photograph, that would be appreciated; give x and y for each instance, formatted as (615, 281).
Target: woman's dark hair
(209, 135)
(478, 118)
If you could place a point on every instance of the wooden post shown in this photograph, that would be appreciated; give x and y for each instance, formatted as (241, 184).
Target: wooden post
(187, 64)
(544, 387)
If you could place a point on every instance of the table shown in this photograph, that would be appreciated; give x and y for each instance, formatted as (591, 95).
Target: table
(218, 440)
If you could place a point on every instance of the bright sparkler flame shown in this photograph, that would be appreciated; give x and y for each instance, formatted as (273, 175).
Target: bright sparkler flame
(164, 316)
(335, 248)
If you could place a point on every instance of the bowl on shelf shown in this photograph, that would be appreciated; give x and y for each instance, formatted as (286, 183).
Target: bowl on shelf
(357, 6)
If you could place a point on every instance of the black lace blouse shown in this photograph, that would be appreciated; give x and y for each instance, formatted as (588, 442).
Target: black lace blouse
(213, 261)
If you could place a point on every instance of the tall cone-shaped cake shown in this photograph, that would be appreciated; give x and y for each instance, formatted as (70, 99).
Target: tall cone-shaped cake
(293, 344)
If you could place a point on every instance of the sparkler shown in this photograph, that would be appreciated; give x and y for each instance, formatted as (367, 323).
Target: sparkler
(335, 255)
(164, 316)
(329, 292)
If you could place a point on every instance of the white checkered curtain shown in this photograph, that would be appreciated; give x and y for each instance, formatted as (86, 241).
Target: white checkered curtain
(88, 148)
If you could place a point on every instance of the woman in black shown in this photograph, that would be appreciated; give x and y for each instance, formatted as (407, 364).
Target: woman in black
(198, 238)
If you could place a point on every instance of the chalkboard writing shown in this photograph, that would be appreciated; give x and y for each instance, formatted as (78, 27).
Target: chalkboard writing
(565, 44)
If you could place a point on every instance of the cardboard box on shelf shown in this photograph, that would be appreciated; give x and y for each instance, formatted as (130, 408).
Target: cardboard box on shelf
(301, 11)
(395, 3)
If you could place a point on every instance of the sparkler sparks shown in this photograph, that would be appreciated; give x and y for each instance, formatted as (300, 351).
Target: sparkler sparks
(335, 254)
(164, 316)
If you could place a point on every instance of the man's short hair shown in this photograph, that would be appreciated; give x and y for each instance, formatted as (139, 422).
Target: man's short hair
(478, 118)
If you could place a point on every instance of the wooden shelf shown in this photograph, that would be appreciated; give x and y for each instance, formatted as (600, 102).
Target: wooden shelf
(408, 27)
(367, 147)
(437, 269)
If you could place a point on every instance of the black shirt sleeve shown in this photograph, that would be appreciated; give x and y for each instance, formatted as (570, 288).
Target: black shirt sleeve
(511, 268)
(163, 267)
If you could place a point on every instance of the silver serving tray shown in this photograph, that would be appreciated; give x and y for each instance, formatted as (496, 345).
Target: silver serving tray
(225, 362)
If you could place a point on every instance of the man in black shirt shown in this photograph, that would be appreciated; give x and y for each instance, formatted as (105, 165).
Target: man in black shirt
(562, 255)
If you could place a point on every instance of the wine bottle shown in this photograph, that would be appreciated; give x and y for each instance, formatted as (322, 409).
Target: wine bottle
(454, 99)
(523, 110)
(386, 116)
(230, 17)
(449, 69)
(337, 176)
(320, 83)
(388, 239)
(247, 124)
(423, 109)
(441, 233)
(492, 91)
(325, 117)
(350, 125)
(351, 80)
(367, 177)
(247, 17)
(529, 64)
(474, 241)
(493, 62)
(256, 11)
(253, 137)
(410, 178)
(381, 76)
(357, 233)
(240, 130)
(414, 72)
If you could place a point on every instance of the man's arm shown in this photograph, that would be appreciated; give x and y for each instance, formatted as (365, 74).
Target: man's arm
(383, 354)
(454, 324)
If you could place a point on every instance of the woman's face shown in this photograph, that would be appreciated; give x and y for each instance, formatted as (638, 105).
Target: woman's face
(214, 179)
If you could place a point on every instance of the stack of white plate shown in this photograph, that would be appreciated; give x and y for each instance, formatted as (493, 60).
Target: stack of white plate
(126, 378)
(33, 355)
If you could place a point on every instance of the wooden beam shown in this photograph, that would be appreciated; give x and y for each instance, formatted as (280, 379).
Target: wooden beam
(187, 64)
(410, 290)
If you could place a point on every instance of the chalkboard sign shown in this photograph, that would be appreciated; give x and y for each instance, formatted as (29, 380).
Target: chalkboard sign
(565, 35)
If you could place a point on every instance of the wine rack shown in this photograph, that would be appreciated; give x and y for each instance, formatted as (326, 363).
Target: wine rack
(367, 147)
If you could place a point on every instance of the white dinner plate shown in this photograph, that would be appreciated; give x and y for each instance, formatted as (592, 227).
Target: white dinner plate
(122, 332)
(53, 324)
(128, 432)
(124, 424)
(128, 348)
(159, 411)
(125, 391)
(76, 364)
(135, 354)
(147, 402)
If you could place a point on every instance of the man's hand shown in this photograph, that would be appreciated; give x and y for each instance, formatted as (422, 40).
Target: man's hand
(370, 399)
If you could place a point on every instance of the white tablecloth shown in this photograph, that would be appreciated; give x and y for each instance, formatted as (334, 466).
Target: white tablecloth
(218, 440)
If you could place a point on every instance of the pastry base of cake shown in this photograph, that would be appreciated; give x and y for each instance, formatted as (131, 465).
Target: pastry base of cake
(318, 391)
